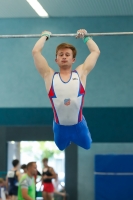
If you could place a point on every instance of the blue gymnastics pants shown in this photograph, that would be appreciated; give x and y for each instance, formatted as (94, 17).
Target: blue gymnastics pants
(78, 134)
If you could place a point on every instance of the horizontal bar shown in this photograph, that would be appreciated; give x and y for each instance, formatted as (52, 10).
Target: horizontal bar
(66, 35)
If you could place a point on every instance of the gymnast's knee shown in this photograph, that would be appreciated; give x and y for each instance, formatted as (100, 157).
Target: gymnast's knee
(87, 146)
(60, 146)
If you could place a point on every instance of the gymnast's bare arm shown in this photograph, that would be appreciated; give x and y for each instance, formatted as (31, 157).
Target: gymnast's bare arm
(41, 63)
(89, 63)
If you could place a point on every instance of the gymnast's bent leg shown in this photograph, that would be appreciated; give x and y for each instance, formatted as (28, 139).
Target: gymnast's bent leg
(81, 135)
(61, 136)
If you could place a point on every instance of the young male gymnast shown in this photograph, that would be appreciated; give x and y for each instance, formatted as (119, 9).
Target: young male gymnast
(66, 89)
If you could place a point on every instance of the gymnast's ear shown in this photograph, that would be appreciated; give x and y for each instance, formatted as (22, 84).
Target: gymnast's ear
(74, 60)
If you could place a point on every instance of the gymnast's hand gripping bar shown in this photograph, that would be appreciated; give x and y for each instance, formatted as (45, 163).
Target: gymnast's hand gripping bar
(66, 35)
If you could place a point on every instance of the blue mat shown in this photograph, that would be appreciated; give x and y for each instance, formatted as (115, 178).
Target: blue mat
(114, 177)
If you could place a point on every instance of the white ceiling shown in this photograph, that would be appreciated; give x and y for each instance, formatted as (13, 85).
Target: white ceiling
(67, 8)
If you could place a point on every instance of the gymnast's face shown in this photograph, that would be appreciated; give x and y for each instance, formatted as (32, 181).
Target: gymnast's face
(32, 169)
(65, 58)
(45, 163)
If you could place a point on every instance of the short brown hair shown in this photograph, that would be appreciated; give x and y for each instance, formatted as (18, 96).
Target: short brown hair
(68, 46)
(45, 160)
(30, 164)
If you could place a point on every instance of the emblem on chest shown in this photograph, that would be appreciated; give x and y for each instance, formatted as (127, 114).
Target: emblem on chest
(67, 102)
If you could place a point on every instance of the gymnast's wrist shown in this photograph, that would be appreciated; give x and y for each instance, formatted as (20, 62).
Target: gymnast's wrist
(46, 34)
(86, 39)
(43, 35)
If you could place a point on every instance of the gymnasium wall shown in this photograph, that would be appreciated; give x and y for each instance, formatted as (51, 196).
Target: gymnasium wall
(86, 165)
(108, 102)
(109, 84)
(111, 94)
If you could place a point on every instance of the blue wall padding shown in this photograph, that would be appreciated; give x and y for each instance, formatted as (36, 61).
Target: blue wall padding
(114, 187)
(114, 163)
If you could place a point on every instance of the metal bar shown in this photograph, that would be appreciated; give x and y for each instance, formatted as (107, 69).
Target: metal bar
(66, 35)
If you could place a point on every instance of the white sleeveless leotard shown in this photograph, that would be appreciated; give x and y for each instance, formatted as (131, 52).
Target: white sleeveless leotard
(67, 99)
